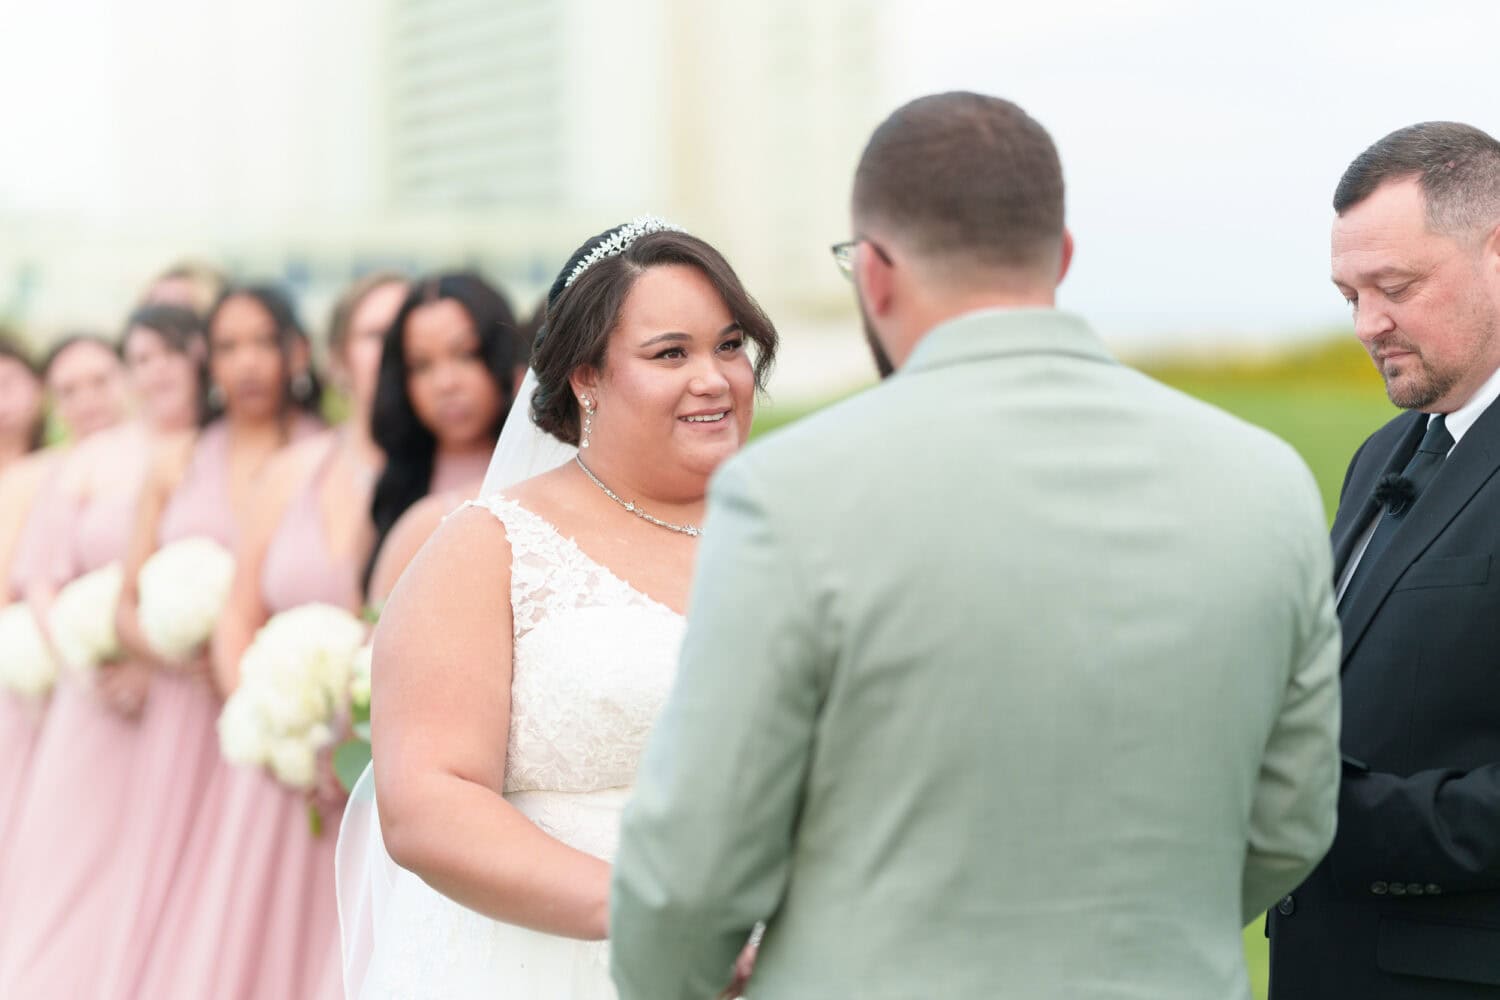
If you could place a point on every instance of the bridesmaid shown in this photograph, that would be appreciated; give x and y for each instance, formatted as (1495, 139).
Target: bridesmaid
(21, 422)
(86, 381)
(20, 404)
(259, 918)
(59, 890)
(262, 395)
(447, 378)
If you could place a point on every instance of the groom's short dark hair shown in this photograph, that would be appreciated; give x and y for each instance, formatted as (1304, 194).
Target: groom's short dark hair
(1457, 167)
(964, 174)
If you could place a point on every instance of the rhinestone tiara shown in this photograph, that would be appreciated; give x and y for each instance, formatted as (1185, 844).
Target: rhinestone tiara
(619, 241)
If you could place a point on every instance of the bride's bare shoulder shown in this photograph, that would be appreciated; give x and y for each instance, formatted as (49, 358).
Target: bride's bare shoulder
(541, 492)
(438, 547)
(557, 497)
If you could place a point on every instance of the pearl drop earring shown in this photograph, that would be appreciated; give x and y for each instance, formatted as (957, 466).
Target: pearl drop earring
(588, 420)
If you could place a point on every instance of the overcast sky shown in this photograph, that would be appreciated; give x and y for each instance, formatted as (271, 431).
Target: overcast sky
(1201, 140)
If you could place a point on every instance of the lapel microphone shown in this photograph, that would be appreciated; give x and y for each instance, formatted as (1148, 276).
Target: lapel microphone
(1395, 493)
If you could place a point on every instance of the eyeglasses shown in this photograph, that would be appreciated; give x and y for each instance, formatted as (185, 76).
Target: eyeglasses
(843, 254)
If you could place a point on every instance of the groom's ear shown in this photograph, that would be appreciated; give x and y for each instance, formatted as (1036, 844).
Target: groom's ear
(1067, 255)
(876, 279)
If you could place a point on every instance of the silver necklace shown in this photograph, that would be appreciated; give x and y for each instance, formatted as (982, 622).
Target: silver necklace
(630, 505)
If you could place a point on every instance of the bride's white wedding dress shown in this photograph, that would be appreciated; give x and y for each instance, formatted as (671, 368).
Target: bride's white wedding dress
(593, 662)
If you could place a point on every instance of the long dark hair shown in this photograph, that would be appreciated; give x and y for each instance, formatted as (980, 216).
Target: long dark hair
(304, 391)
(11, 349)
(581, 316)
(179, 328)
(410, 446)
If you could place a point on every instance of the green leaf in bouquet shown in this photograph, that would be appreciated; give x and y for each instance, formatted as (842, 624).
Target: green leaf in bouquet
(370, 613)
(362, 729)
(359, 714)
(349, 761)
(315, 819)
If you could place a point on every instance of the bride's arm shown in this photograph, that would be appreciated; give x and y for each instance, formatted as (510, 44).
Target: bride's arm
(440, 715)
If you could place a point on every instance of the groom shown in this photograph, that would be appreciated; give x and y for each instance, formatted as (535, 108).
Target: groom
(1016, 676)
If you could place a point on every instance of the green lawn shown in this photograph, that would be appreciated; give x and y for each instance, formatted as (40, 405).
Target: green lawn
(1324, 401)
(1325, 423)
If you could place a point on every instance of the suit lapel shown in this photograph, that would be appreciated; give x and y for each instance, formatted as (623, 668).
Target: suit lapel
(1473, 462)
(1347, 531)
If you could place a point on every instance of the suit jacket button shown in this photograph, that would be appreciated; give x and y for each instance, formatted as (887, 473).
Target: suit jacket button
(1379, 888)
(1433, 890)
(1397, 889)
(1287, 906)
(1414, 889)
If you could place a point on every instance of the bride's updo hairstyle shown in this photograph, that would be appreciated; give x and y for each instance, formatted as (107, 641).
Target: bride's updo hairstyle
(581, 316)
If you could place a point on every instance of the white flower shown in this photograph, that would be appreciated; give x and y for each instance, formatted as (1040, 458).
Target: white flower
(294, 759)
(27, 666)
(359, 681)
(82, 619)
(294, 762)
(242, 733)
(183, 587)
(294, 682)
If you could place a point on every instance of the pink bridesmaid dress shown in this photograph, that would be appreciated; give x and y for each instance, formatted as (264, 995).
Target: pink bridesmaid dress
(65, 875)
(21, 717)
(260, 920)
(180, 781)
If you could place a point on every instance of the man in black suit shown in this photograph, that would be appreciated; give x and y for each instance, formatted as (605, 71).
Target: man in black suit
(1407, 902)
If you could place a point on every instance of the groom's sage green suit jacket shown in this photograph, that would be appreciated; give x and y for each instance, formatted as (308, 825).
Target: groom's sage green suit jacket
(1016, 676)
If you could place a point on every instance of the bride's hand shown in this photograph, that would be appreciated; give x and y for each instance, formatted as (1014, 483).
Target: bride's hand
(743, 966)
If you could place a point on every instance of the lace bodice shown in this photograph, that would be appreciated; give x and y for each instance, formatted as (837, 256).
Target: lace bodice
(593, 662)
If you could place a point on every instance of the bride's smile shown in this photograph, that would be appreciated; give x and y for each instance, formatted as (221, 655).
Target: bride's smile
(676, 392)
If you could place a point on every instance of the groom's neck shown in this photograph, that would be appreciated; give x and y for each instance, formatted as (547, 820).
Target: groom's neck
(931, 313)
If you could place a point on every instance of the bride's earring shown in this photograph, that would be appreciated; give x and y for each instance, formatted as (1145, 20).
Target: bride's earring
(588, 420)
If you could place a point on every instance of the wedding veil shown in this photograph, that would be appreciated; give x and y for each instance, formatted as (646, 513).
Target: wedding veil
(524, 449)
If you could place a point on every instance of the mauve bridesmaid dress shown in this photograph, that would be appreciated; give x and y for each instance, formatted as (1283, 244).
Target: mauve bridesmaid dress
(64, 870)
(260, 919)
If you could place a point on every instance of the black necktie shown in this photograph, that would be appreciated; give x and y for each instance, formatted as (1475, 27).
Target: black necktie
(1420, 471)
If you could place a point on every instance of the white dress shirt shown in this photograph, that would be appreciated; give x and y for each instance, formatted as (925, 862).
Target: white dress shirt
(1458, 424)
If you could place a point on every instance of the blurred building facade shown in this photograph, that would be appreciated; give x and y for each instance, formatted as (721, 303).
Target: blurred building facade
(309, 143)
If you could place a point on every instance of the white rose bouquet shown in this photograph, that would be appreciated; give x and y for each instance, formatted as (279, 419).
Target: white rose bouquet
(27, 665)
(82, 620)
(183, 587)
(294, 687)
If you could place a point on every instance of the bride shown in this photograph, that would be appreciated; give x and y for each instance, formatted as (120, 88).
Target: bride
(523, 657)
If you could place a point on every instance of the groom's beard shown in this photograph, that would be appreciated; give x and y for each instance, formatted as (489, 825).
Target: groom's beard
(882, 360)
